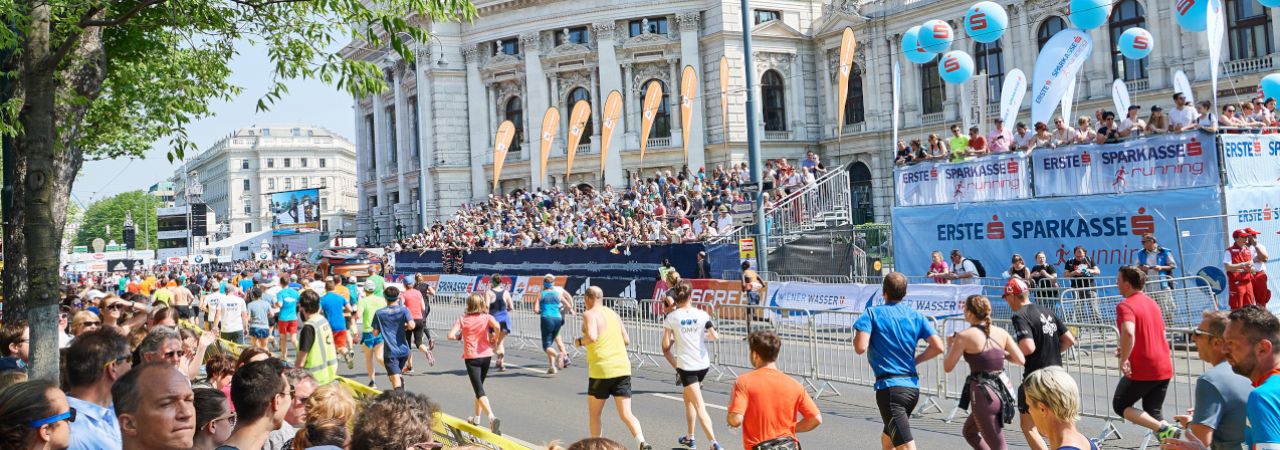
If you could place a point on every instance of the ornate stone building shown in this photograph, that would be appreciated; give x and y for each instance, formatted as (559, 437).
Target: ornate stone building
(425, 147)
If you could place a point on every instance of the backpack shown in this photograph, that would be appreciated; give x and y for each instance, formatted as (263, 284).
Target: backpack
(977, 265)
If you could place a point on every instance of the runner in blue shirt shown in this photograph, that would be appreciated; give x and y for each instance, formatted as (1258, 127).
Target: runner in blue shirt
(393, 323)
(891, 332)
(335, 310)
(287, 319)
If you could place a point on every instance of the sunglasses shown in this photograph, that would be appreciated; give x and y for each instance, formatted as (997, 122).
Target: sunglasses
(1198, 332)
(69, 416)
(91, 324)
(118, 360)
(229, 417)
(116, 307)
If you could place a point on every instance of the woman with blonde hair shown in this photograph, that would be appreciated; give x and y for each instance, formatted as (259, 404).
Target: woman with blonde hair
(83, 322)
(477, 351)
(1053, 400)
(985, 347)
(332, 401)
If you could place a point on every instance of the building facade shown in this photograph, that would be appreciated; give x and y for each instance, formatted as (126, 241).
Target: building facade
(236, 176)
(163, 192)
(425, 146)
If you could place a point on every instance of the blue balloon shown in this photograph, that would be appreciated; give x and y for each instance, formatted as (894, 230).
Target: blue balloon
(1270, 3)
(936, 36)
(1270, 86)
(1089, 14)
(1192, 15)
(1136, 43)
(955, 67)
(911, 47)
(986, 22)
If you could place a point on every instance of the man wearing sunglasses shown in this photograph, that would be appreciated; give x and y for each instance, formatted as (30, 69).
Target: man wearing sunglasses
(1221, 395)
(95, 360)
(162, 344)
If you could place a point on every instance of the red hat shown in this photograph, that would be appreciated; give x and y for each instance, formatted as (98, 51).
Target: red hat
(1015, 286)
(1239, 233)
(1251, 231)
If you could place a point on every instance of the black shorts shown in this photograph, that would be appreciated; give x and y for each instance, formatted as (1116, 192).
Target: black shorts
(896, 404)
(1152, 394)
(602, 388)
(420, 334)
(184, 311)
(688, 377)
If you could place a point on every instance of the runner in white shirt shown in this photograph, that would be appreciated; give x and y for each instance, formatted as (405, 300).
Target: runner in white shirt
(685, 333)
(232, 316)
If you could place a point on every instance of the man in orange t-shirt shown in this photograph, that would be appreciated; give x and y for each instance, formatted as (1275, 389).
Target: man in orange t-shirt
(765, 401)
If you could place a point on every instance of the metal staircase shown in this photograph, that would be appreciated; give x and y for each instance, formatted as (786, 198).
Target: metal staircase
(825, 203)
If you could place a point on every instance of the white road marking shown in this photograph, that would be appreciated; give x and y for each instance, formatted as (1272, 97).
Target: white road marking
(531, 369)
(679, 399)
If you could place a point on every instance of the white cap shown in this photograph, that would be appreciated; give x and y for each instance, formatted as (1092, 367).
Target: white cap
(95, 294)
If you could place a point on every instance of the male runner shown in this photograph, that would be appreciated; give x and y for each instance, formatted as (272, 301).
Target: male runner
(608, 368)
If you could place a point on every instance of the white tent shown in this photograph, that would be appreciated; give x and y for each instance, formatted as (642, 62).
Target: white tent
(239, 247)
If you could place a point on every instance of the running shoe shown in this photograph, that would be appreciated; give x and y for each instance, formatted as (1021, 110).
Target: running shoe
(474, 420)
(351, 360)
(687, 442)
(1168, 431)
(373, 384)
(716, 446)
(551, 371)
(408, 371)
(645, 446)
(495, 425)
(431, 359)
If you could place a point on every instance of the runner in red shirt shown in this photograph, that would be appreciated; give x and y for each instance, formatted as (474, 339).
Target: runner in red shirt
(418, 337)
(1145, 362)
(1238, 261)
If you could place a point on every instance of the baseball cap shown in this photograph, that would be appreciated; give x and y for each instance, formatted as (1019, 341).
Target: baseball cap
(1239, 233)
(1251, 231)
(1015, 286)
(1133, 107)
(10, 363)
(351, 279)
(370, 286)
(95, 294)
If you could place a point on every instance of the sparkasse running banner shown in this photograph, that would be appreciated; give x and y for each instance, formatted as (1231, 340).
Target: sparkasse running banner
(990, 178)
(1251, 159)
(1109, 227)
(1156, 163)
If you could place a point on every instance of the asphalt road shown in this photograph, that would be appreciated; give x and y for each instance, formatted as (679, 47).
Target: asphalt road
(540, 408)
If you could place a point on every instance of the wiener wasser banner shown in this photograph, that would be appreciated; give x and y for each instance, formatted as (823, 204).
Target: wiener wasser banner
(937, 300)
(1000, 177)
(1251, 159)
(1168, 161)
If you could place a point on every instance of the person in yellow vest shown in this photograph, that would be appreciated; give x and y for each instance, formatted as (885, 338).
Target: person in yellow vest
(316, 352)
(608, 367)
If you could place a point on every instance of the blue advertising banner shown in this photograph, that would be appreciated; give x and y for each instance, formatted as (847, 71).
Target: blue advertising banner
(1251, 159)
(1107, 226)
(990, 178)
(637, 262)
(1167, 161)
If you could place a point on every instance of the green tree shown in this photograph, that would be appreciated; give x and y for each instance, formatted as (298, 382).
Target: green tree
(101, 79)
(110, 212)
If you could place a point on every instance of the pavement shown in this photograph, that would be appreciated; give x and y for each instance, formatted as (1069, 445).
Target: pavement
(539, 408)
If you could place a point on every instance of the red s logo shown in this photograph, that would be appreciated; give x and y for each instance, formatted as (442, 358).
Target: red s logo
(940, 31)
(951, 64)
(1140, 42)
(1183, 6)
(978, 21)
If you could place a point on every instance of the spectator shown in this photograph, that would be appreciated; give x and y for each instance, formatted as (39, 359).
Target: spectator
(1044, 279)
(1261, 293)
(703, 270)
(1132, 125)
(892, 331)
(1000, 138)
(1248, 116)
(1228, 119)
(963, 270)
(977, 143)
(316, 351)
(1155, 261)
(1018, 268)
(331, 401)
(252, 354)
(304, 385)
(1084, 131)
(1042, 336)
(15, 341)
(917, 151)
(1108, 131)
(11, 376)
(1023, 140)
(1063, 134)
(1157, 121)
(1054, 403)
(163, 344)
(937, 149)
(83, 322)
(392, 325)
(1145, 363)
(958, 144)
(219, 369)
(904, 154)
(156, 408)
(596, 444)
(214, 419)
(1262, 114)
(1205, 120)
(395, 420)
(985, 348)
(262, 396)
(1042, 138)
(765, 401)
(1183, 116)
(938, 269)
(1081, 270)
(1238, 262)
(322, 435)
(93, 363)
(31, 416)
(1221, 395)
(1252, 339)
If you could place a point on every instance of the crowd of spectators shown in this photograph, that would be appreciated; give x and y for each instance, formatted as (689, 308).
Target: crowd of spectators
(1105, 127)
(670, 207)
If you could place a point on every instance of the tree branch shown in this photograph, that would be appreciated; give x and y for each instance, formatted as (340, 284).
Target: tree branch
(260, 4)
(121, 19)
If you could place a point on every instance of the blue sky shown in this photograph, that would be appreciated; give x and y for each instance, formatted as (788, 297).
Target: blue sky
(308, 102)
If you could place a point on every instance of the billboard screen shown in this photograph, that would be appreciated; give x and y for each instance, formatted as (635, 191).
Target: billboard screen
(295, 211)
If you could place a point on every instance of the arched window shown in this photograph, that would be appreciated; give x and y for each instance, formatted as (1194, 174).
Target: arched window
(931, 89)
(1126, 14)
(853, 108)
(661, 120)
(860, 187)
(1249, 29)
(775, 110)
(1047, 29)
(574, 96)
(990, 59)
(514, 111)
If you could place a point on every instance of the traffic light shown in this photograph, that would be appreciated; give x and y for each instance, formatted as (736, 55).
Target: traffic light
(130, 237)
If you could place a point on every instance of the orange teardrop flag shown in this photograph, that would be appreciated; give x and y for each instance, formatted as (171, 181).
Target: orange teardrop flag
(847, 46)
(501, 143)
(652, 99)
(688, 93)
(550, 123)
(724, 98)
(577, 125)
(612, 110)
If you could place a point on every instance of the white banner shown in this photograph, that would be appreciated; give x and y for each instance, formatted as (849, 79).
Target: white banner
(1160, 162)
(1005, 176)
(1055, 71)
(1180, 84)
(974, 102)
(1068, 101)
(897, 98)
(936, 300)
(1011, 95)
(1120, 97)
(1251, 159)
(1216, 25)
(1251, 207)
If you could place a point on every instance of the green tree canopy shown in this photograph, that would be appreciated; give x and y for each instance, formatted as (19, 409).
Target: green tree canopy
(111, 212)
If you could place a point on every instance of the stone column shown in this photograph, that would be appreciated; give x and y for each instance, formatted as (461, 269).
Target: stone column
(877, 101)
(426, 138)
(536, 104)
(827, 105)
(362, 144)
(380, 149)
(477, 124)
(597, 106)
(610, 80)
(691, 55)
(402, 139)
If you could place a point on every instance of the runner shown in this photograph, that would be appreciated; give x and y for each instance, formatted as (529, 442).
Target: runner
(499, 300)
(414, 302)
(392, 324)
(287, 318)
(552, 305)
(259, 319)
(473, 329)
(231, 316)
(608, 367)
(372, 342)
(686, 331)
(335, 311)
(428, 293)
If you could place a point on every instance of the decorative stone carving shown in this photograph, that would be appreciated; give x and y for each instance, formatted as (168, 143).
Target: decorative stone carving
(643, 72)
(531, 41)
(846, 7)
(688, 21)
(502, 92)
(470, 54)
(776, 61)
(572, 80)
(603, 30)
